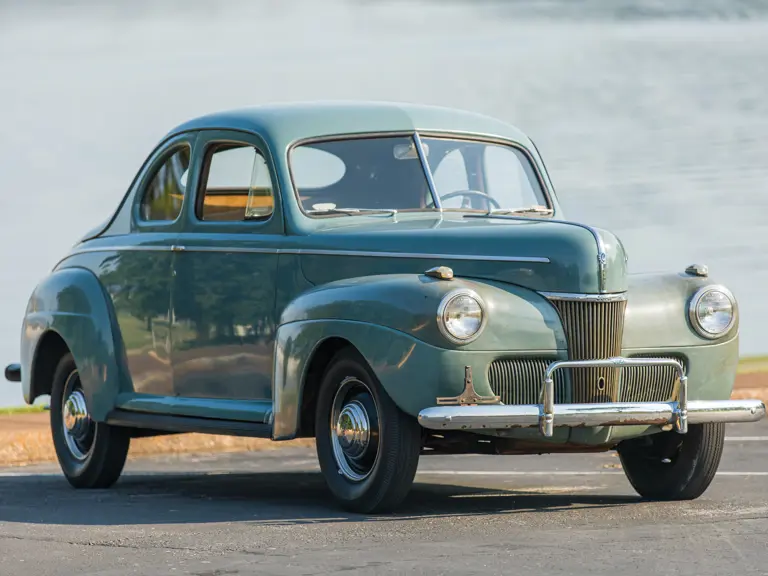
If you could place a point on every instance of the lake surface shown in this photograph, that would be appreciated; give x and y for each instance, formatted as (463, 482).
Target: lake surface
(652, 120)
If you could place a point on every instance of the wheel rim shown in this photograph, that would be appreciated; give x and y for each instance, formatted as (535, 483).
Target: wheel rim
(354, 430)
(76, 421)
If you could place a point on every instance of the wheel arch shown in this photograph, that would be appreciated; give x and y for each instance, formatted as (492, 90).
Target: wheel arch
(50, 349)
(319, 361)
(69, 311)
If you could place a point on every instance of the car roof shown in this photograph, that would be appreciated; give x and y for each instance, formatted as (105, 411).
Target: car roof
(285, 123)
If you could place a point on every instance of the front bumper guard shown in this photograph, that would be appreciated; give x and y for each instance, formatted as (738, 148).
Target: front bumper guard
(469, 411)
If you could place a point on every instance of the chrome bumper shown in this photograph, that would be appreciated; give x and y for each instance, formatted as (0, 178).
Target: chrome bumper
(473, 412)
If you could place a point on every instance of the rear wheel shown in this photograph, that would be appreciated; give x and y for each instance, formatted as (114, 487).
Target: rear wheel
(367, 447)
(91, 454)
(672, 466)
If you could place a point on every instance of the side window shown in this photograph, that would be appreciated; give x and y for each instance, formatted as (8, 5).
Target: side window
(236, 185)
(164, 195)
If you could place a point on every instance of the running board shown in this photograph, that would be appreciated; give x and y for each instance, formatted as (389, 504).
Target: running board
(183, 424)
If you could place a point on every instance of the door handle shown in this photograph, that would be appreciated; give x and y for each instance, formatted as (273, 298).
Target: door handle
(176, 248)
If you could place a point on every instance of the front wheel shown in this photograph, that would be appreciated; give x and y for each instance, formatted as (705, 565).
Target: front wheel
(367, 447)
(91, 454)
(672, 466)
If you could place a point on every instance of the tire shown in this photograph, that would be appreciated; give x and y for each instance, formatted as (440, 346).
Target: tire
(91, 454)
(370, 473)
(672, 466)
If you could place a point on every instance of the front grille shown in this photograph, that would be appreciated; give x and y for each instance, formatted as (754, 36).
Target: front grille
(594, 330)
(650, 383)
(518, 380)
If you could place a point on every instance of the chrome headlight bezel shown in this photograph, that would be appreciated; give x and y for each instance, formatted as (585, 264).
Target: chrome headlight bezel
(443, 306)
(693, 316)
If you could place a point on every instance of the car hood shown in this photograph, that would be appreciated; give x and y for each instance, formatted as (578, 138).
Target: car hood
(540, 254)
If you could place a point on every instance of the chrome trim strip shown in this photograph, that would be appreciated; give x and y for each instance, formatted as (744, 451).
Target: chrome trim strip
(416, 255)
(427, 170)
(612, 297)
(419, 255)
(490, 417)
(601, 254)
(89, 250)
(313, 252)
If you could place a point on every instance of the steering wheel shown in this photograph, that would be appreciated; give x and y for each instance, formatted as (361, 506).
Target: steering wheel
(468, 192)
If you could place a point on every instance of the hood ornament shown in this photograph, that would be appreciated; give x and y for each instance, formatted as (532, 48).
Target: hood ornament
(700, 270)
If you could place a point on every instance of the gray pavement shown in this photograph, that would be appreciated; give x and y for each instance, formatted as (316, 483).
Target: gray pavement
(269, 513)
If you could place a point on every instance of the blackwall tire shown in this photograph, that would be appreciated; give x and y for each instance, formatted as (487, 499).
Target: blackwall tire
(672, 466)
(91, 454)
(367, 447)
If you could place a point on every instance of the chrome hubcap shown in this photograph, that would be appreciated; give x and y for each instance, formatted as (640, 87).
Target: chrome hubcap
(76, 417)
(354, 430)
(77, 423)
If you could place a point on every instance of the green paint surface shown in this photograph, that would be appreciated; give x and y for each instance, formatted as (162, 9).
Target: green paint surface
(195, 332)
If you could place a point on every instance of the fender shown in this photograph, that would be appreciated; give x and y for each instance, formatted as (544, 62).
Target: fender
(408, 303)
(412, 372)
(392, 321)
(657, 312)
(71, 303)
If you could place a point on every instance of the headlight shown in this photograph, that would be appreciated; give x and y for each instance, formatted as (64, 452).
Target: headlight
(461, 316)
(712, 311)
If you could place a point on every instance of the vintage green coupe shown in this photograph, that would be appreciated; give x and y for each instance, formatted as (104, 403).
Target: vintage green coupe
(393, 280)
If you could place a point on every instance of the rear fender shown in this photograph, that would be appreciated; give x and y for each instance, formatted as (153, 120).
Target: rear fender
(73, 304)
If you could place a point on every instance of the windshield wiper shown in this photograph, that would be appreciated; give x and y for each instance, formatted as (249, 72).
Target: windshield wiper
(354, 211)
(530, 210)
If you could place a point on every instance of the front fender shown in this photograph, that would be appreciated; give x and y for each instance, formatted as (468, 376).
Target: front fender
(657, 312)
(518, 319)
(72, 303)
(412, 372)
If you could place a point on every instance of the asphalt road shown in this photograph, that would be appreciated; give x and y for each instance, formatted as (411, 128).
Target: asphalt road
(269, 513)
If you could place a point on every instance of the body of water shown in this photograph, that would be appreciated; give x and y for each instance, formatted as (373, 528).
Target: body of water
(652, 120)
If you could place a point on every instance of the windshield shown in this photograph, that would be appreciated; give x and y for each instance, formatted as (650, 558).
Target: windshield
(350, 176)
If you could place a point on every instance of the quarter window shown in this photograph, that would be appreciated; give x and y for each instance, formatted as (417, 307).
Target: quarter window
(164, 195)
(237, 185)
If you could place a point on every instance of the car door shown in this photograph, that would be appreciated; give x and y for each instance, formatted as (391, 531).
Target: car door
(225, 273)
(138, 277)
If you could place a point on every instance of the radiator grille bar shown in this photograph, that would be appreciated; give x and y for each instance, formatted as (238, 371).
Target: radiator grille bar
(519, 380)
(594, 330)
(650, 383)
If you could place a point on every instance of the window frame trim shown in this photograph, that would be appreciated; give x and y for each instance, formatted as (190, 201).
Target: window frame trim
(154, 165)
(440, 134)
(275, 225)
(206, 154)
